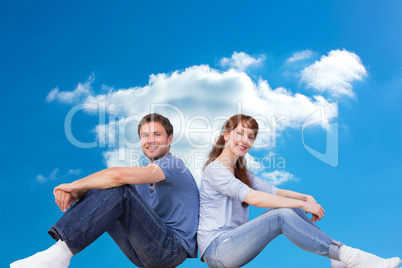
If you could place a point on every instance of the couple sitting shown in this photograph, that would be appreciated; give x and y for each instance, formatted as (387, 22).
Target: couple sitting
(152, 212)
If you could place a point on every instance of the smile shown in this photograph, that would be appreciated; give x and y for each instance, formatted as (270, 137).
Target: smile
(241, 147)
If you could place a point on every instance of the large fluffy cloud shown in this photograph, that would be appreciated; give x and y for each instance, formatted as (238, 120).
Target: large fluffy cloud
(335, 73)
(197, 100)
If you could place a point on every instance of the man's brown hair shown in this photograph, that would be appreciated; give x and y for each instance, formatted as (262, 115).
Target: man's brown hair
(154, 117)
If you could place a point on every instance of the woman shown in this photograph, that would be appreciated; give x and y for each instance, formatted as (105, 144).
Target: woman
(227, 239)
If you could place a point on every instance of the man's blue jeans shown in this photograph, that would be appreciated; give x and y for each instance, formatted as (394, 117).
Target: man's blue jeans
(130, 221)
(239, 246)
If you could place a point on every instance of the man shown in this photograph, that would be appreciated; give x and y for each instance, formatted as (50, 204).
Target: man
(151, 212)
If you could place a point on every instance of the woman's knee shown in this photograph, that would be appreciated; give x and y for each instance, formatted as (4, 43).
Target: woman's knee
(294, 215)
(285, 211)
(288, 214)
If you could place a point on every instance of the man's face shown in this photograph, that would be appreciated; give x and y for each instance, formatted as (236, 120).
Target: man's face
(154, 140)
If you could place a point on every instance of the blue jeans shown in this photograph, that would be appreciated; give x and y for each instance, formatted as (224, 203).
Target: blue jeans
(130, 221)
(239, 246)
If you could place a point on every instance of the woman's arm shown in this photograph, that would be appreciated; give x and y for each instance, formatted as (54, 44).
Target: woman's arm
(296, 195)
(285, 199)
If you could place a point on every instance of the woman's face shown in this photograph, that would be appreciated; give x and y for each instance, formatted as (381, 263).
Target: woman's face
(239, 140)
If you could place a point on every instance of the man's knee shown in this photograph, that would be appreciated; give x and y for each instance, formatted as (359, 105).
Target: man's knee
(103, 193)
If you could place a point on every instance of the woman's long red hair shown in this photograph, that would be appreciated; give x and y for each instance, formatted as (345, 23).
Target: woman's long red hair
(240, 169)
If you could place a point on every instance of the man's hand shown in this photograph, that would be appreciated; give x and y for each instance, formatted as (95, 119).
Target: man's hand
(69, 188)
(64, 200)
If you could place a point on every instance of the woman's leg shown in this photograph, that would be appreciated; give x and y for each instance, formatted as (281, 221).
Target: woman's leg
(248, 240)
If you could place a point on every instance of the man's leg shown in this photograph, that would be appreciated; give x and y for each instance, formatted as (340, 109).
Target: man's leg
(135, 227)
(142, 235)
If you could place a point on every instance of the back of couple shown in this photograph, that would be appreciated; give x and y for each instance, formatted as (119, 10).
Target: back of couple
(157, 216)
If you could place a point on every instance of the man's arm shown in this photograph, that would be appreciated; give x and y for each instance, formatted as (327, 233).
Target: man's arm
(113, 177)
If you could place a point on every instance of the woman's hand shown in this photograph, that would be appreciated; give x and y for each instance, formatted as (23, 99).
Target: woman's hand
(315, 209)
(311, 200)
(64, 200)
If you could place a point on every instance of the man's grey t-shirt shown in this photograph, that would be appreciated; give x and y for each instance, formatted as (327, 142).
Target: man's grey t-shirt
(221, 198)
(175, 200)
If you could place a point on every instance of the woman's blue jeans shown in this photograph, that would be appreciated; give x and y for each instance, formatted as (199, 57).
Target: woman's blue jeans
(130, 221)
(239, 246)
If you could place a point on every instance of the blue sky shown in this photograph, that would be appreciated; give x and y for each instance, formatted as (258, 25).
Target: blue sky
(204, 59)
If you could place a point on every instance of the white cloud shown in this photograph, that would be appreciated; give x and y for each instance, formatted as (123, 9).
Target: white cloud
(241, 61)
(51, 176)
(79, 93)
(54, 175)
(278, 177)
(74, 172)
(301, 55)
(335, 73)
(40, 179)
